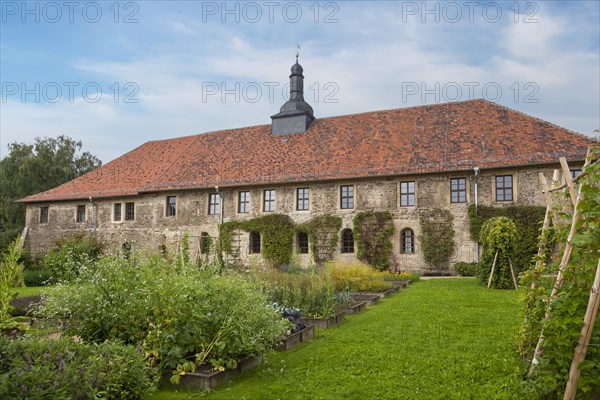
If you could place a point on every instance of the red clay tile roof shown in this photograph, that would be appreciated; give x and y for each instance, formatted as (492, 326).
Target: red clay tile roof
(433, 138)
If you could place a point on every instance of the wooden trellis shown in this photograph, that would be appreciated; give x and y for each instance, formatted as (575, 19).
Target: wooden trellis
(594, 300)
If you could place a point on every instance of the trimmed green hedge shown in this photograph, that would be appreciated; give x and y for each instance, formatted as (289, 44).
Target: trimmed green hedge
(528, 220)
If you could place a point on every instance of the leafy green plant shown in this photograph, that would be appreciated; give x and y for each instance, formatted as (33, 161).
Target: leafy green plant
(437, 237)
(183, 316)
(71, 255)
(11, 276)
(372, 231)
(31, 368)
(497, 236)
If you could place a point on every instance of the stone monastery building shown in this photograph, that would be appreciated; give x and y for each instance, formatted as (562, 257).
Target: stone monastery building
(403, 161)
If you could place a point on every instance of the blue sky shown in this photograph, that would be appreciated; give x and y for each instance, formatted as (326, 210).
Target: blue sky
(117, 74)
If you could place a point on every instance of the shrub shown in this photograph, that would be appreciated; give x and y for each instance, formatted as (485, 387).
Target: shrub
(37, 278)
(182, 316)
(64, 369)
(71, 256)
(466, 269)
(311, 292)
(357, 277)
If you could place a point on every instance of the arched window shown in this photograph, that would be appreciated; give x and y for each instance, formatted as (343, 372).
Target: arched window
(407, 241)
(254, 243)
(204, 243)
(302, 240)
(347, 241)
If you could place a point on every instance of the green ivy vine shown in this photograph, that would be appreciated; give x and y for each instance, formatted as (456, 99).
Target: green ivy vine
(437, 237)
(276, 231)
(323, 235)
(372, 231)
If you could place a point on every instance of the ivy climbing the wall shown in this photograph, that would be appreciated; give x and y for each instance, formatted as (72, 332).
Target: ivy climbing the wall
(276, 231)
(527, 219)
(372, 231)
(437, 237)
(323, 235)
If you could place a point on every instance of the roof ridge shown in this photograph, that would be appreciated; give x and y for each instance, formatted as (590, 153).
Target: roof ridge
(544, 121)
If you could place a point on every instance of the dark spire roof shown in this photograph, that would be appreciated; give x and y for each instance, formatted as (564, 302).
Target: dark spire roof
(295, 115)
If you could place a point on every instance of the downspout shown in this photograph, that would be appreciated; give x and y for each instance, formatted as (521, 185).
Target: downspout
(95, 206)
(476, 171)
(219, 252)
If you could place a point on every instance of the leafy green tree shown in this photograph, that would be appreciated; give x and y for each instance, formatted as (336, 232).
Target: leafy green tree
(32, 168)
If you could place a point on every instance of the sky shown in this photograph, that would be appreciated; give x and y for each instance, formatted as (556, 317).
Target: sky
(117, 74)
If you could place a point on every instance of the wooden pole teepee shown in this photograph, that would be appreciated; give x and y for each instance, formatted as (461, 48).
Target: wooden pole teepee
(566, 255)
(584, 338)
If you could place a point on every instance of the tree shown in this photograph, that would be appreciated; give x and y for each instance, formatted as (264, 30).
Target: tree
(34, 168)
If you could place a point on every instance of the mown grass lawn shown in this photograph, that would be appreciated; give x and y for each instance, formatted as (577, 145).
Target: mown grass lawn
(28, 290)
(437, 339)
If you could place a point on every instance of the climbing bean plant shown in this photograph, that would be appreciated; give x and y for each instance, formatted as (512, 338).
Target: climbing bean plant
(497, 236)
(372, 232)
(567, 311)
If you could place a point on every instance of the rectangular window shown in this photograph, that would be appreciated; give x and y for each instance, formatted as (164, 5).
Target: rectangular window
(243, 202)
(80, 214)
(407, 194)
(43, 215)
(117, 212)
(213, 203)
(302, 199)
(129, 211)
(504, 188)
(171, 206)
(269, 200)
(575, 173)
(347, 197)
(458, 190)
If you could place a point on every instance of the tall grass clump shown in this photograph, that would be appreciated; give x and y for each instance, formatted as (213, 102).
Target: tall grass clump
(357, 277)
(312, 292)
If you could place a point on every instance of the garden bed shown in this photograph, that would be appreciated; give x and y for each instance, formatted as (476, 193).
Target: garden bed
(400, 284)
(370, 299)
(386, 293)
(22, 305)
(353, 309)
(297, 338)
(208, 378)
(324, 323)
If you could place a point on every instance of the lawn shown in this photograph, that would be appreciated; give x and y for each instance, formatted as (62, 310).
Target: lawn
(28, 290)
(437, 339)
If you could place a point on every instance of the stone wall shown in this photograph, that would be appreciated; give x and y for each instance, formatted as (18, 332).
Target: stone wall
(151, 228)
